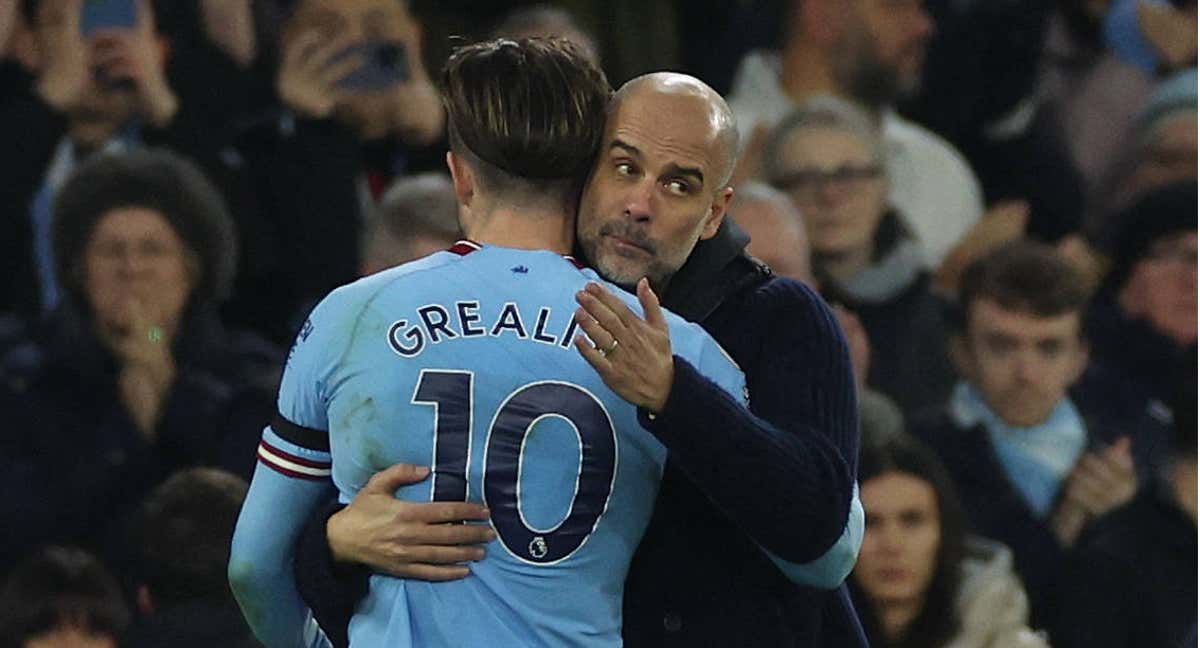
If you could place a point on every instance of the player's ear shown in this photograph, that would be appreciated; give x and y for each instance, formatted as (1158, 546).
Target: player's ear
(464, 180)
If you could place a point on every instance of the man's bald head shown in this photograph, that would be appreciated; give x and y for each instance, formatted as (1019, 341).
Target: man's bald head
(661, 179)
(687, 92)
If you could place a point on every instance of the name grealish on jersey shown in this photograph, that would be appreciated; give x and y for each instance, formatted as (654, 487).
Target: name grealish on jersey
(437, 323)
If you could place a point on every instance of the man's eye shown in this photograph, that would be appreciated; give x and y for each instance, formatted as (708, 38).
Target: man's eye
(678, 187)
(624, 168)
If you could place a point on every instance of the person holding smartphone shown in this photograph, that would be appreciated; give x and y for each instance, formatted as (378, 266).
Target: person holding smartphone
(355, 110)
(91, 76)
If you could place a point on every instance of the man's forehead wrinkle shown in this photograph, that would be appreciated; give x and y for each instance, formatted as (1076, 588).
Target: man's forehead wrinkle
(644, 141)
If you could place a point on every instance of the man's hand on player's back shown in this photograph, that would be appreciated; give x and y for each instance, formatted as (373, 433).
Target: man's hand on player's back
(407, 539)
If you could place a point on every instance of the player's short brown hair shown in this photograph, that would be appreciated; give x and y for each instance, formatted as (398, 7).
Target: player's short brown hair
(528, 113)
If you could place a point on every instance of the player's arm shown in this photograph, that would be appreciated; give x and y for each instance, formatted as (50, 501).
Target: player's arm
(289, 483)
(789, 485)
(379, 532)
(291, 480)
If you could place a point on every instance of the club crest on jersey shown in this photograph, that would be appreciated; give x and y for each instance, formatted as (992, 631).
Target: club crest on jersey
(305, 331)
(437, 323)
(538, 548)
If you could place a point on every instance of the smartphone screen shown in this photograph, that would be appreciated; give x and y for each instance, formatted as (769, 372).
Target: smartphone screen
(103, 14)
(385, 64)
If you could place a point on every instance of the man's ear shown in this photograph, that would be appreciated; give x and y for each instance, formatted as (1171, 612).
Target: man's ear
(716, 213)
(463, 179)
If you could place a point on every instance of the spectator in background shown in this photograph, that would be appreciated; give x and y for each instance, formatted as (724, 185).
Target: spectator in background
(828, 159)
(1032, 468)
(1133, 580)
(185, 532)
(920, 580)
(314, 67)
(1099, 67)
(106, 90)
(61, 597)
(547, 21)
(870, 53)
(979, 90)
(776, 228)
(132, 377)
(304, 175)
(778, 238)
(1161, 151)
(1143, 320)
(416, 217)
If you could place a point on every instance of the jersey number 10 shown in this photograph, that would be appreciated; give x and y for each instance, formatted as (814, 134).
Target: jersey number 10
(451, 393)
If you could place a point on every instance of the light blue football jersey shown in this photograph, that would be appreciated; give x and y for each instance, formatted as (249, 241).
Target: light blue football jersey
(463, 361)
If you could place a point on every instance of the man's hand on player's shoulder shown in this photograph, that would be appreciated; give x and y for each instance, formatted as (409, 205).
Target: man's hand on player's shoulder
(419, 540)
(632, 355)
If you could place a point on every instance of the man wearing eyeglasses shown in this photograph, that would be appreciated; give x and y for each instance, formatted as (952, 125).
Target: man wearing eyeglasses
(829, 160)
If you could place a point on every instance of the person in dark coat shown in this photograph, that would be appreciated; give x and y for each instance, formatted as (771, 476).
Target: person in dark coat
(111, 89)
(1142, 322)
(132, 377)
(61, 596)
(1132, 576)
(302, 175)
(186, 526)
(1033, 467)
(828, 158)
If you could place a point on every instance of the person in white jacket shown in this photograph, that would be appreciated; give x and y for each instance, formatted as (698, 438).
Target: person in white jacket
(920, 579)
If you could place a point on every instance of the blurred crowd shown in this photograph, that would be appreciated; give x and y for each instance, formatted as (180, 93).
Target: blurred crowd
(998, 197)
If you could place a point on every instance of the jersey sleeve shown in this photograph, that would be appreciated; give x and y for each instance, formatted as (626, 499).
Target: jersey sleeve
(302, 394)
(834, 566)
(292, 479)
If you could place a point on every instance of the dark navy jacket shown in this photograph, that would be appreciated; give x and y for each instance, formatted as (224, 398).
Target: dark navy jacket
(73, 465)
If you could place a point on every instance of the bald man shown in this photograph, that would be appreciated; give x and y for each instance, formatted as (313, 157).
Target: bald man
(776, 229)
(757, 512)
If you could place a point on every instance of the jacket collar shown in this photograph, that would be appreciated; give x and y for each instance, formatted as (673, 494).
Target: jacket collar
(714, 270)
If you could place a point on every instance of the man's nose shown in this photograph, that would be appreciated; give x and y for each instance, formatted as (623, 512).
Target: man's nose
(1028, 367)
(638, 202)
(830, 191)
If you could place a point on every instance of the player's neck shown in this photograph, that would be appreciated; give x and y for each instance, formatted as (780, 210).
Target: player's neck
(551, 230)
